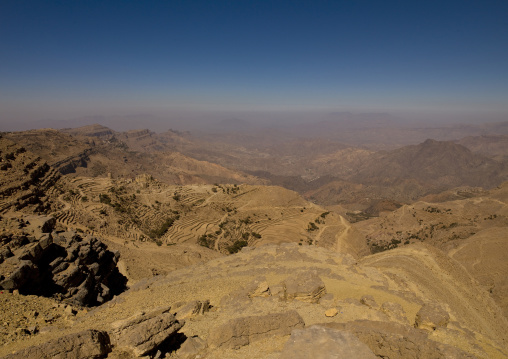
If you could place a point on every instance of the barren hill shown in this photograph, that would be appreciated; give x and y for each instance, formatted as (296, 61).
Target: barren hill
(491, 145)
(433, 163)
(411, 172)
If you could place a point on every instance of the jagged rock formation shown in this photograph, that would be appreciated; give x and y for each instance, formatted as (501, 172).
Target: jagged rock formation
(432, 316)
(80, 270)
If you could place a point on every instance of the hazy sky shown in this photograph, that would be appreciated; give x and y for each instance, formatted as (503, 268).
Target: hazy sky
(62, 59)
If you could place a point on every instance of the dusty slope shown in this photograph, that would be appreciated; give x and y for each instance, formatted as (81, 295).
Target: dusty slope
(484, 256)
(399, 283)
(472, 230)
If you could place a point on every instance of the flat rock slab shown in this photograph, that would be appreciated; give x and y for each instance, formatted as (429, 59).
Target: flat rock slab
(324, 343)
(397, 341)
(241, 331)
(89, 344)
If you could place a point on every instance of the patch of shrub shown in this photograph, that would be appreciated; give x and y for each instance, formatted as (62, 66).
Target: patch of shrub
(237, 246)
(159, 232)
(104, 198)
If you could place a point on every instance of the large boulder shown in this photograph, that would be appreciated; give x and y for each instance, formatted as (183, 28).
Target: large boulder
(191, 348)
(322, 343)
(144, 332)
(241, 331)
(432, 316)
(40, 224)
(89, 344)
(304, 286)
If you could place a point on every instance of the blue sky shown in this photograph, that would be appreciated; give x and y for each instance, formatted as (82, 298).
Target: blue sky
(61, 59)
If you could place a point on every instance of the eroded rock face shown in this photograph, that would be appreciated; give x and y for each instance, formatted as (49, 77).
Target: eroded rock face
(89, 344)
(322, 343)
(144, 332)
(241, 331)
(78, 269)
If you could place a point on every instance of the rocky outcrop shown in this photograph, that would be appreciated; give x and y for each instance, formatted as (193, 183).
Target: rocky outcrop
(78, 269)
(69, 164)
(242, 331)
(322, 343)
(432, 316)
(144, 332)
(89, 344)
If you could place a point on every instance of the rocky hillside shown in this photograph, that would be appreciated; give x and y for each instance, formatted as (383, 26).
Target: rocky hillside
(285, 301)
(96, 152)
(25, 179)
(491, 145)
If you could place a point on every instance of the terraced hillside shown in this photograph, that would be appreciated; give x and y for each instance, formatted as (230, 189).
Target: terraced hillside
(221, 217)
